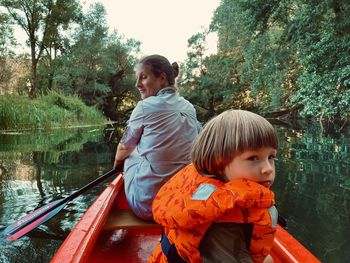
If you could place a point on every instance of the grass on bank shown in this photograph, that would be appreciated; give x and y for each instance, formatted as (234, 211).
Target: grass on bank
(49, 111)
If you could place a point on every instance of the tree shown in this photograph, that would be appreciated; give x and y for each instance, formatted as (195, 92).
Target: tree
(275, 55)
(321, 30)
(6, 41)
(42, 21)
(97, 66)
(118, 73)
(250, 35)
(206, 80)
(6, 35)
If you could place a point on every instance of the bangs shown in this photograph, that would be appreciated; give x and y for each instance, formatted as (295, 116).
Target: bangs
(255, 134)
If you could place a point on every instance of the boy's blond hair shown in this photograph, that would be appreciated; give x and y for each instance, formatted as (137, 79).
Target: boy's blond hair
(231, 132)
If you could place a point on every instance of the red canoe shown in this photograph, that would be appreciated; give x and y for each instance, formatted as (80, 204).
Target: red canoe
(109, 232)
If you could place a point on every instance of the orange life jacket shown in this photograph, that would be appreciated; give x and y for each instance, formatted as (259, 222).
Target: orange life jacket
(189, 203)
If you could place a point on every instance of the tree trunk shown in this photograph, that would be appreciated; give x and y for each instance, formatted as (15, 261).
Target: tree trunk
(290, 113)
(33, 82)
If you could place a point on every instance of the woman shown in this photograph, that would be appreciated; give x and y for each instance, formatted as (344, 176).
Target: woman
(159, 134)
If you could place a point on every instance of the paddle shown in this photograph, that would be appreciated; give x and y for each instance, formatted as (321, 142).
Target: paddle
(44, 213)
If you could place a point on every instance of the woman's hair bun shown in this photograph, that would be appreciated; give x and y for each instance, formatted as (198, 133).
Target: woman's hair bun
(176, 69)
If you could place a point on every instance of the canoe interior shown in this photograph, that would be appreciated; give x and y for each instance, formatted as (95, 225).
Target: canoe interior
(109, 232)
(125, 238)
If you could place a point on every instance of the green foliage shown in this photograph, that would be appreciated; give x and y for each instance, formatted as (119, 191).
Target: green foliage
(85, 61)
(43, 21)
(324, 47)
(6, 35)
(50, 111)
(273, 54)
(98, 64)
(6, 41)
(257, 43)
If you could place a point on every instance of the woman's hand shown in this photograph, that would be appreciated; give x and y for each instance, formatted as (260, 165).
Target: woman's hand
(118, 163)
(121, 154)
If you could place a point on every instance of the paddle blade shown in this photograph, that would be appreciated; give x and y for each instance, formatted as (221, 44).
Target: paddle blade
(41, 215)
(32, 217)
(24, 230)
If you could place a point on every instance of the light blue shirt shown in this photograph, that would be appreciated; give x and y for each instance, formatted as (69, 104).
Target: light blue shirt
(162, 128)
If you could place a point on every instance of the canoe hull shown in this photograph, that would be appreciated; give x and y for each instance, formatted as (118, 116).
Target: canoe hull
(96, 237)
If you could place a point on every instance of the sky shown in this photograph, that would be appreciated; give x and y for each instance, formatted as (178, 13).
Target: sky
(163, 26)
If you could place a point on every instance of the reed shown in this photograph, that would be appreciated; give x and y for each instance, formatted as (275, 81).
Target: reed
(47, 111)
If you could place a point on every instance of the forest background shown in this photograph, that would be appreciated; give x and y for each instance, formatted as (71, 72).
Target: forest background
(279, 58)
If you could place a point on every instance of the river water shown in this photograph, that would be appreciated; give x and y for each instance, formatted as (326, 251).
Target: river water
(312, 185)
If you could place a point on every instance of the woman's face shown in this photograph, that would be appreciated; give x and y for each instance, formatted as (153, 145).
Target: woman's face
(147, 83)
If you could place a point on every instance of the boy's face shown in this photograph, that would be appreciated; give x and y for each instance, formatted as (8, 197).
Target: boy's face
(255, 165)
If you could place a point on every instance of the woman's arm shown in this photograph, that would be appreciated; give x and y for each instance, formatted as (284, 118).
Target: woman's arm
(121, 154)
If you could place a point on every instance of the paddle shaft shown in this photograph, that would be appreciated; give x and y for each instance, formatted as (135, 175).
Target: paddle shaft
(41, 215)
(88, 186)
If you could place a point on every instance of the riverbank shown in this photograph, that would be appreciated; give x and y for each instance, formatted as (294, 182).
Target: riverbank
(46, 112)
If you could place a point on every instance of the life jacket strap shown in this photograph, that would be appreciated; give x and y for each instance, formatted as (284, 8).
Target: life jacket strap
(170, 251)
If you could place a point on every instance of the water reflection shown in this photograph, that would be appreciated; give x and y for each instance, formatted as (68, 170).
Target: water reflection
(38, 168)
(312, 185)
(313, 188)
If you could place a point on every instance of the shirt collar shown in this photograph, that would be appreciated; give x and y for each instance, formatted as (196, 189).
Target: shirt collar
(166, 90)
